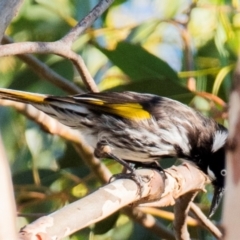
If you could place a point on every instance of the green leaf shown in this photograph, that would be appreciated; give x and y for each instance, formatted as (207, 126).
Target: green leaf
(159, 87)
(138, 63)
(47, 177)
(148, 73)
(142, 233)
(70, 158)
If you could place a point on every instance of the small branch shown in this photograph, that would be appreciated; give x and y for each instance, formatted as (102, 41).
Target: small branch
(29, 47)
(82, 69)
(87, 21)
(181, 210)
(212, 97)
(189, 60)
(187, 44)
(58, 48)
(181, 180)
(61, 47)
(168, 215)
(204, 221)
(45, 72)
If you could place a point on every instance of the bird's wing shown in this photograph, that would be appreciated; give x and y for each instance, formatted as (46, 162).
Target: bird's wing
(127, 105)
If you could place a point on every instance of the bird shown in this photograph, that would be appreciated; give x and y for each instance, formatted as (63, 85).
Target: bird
(139, 128)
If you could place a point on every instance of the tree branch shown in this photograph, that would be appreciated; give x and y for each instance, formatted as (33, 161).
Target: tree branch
(58, 48)
(95, 207)
(181, 180)
(87, 21)
(204, 221)
(181, 210)
(62, 47)
(165, 214)
(111, 198)
(43, 71)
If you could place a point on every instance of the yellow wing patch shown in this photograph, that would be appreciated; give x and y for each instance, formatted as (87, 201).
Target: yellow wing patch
(129, 110)
(133, 111)
(126, 110)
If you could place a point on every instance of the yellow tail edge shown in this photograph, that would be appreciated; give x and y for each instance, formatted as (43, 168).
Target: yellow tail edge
(21, 96)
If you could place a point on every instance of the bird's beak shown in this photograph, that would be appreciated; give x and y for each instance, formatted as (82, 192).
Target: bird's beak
(218, 193)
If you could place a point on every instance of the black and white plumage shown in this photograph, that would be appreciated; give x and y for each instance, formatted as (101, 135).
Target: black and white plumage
(140, 128)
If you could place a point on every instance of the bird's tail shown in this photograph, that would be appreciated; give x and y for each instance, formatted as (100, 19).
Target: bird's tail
(65, 109)
(24, 97)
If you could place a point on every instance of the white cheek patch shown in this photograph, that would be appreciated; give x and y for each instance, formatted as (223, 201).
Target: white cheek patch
(219, 140)
(211, 174)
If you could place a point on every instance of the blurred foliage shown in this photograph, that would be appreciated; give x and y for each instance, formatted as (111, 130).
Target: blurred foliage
(176, 50)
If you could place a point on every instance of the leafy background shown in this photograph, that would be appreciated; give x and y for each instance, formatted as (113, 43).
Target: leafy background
(146, 46)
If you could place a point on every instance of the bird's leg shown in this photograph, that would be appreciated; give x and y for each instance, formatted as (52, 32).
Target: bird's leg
(153, 165)
(103, 150)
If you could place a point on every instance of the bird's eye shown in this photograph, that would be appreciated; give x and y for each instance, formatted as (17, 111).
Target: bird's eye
(223, 172)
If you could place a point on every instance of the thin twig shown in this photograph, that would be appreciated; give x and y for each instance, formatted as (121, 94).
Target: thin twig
(168, 215)
(63, 46)
(82, 69)
(204, 221)
(212, 97)
(181, 210)
(45, 72)
(58, 48)
(189, 61)
(86, 21)
(187, 44)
